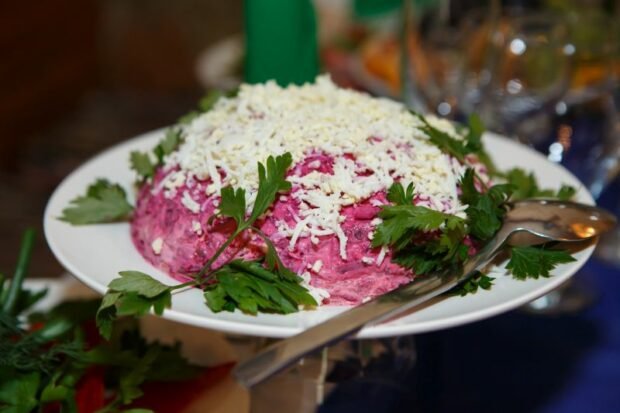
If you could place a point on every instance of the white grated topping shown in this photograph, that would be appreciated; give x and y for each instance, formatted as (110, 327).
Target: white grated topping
(189, 203)
(379, 137)
(196, 227)
(319, 294)
(157, 245)
(381, 255)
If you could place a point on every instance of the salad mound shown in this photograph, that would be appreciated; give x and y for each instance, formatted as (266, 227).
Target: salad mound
(348, 149)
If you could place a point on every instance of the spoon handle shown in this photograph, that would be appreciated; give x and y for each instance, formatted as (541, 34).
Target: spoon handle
(287, 351)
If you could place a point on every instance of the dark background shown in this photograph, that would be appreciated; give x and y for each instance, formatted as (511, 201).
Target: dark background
(76, 76)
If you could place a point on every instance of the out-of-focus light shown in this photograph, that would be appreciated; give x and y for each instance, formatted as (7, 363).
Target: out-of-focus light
(444, 108)
(514, 86)
(565, 136)
(518, 46)
(561, 108)
(555, 152)
(569, 49)
(583, 230)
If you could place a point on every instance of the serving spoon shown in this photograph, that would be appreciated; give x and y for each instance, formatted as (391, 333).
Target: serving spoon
(525, 222)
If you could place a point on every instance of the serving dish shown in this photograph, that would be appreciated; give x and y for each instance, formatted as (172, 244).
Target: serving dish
(95, 254)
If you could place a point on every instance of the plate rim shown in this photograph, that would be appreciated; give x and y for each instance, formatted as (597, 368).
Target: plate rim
(275, 331)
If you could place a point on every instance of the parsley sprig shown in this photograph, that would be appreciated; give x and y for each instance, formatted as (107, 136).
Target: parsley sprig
(103, 202)
(525, 186)
(471, 144)
(146, 163)
(422, 239)
(535, 262)
(251, 286)
(426, 240)
(485, 210)
(271, 180)
(43, 356)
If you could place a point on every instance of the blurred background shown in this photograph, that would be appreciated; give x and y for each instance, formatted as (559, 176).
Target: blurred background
(78, 76)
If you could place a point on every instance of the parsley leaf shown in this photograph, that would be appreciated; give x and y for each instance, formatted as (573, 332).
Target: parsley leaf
(475, 129)
(129, 384)
(168, 144)
(103, 202)
(273, 262)
(209, 100)
(398, 195)
(139, 283)
(205, 105)
(472, 285)
(525, 186)
(18, 391)
(471, 144)
(485, 211)
(251, 287)
(444, 141)
(401, 222)
(142, 164)
(535, 262)
(232, 204)
(271, 180)
(473, 140)
(566, 192)
(135, 293)
(403, 228)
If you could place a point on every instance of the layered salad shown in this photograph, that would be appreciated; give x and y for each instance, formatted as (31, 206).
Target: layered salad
(347, 150)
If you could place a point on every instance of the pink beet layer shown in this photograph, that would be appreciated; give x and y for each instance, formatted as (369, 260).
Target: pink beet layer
(185, 250)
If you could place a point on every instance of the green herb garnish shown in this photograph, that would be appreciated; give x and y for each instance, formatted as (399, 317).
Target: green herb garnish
(535, 262)
(44, 365)
(265, 285)
(525, 186)
(103, 202)
(404, 223)
(134, 294)
(249, 286)
(471, 144)
(146, 163)
(485, 210)
(471, 286)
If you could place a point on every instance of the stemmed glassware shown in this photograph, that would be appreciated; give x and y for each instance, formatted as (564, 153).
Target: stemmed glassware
(527, 70)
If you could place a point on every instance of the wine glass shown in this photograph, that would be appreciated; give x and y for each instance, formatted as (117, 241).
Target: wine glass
(438, 60)
(528, 67)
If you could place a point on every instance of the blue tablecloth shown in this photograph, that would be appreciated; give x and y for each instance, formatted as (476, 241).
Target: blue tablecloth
(510, 363)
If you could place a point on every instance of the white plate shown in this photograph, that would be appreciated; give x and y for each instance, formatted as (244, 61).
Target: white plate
(96, 253)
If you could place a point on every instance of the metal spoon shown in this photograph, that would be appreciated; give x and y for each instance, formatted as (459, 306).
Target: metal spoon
(544, 219)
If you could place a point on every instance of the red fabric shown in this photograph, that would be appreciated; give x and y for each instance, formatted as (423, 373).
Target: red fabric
(174, 397)
(91, 334)
(89, 394)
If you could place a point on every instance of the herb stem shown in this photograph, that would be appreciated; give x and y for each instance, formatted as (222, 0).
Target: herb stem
(2, 291)
(220, 250)
(185, 284)
(20, 271)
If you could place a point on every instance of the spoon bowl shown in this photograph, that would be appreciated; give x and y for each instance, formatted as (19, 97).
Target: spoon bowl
(553, 220)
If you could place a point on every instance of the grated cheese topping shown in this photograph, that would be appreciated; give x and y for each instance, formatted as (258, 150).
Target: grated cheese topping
(373, 143)
(157, 245)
